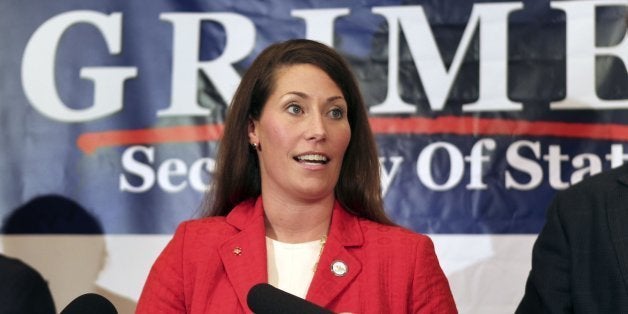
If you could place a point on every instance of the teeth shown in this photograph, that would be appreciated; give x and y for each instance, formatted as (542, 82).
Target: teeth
(312, 158)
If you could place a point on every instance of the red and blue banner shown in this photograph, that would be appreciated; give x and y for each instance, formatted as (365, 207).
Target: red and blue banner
(482, 110)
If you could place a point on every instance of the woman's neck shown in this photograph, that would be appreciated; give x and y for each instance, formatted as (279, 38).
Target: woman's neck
(296, 222)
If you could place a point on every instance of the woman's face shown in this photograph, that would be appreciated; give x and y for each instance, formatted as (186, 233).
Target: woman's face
(303, 133)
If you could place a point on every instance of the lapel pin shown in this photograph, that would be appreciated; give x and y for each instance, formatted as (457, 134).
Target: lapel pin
(237, 251)
(339, 268)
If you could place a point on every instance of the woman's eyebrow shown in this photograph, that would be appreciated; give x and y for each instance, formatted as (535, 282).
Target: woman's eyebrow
(300, 94)
(334, 98)
(306, 96)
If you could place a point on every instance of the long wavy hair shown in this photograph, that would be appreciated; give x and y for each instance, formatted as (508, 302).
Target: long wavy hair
(237, 175)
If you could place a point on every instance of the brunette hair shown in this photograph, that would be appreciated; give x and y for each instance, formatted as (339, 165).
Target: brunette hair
(237, 175)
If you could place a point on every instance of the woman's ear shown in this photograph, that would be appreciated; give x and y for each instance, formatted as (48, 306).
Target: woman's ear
(253, 138)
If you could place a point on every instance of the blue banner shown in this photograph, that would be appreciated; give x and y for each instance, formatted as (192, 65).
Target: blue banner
(482, 110)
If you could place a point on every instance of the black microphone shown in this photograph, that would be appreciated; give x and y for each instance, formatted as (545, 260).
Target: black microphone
(264, 298)
(90, 303)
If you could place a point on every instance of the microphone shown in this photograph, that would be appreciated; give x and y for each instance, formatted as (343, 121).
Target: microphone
(90, 303)
(263, 298)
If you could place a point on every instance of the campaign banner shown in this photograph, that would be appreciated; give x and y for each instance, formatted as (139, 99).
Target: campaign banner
(111, 113)
(482, 111)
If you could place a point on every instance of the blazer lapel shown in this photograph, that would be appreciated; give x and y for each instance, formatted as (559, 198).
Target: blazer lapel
(617, 204)
(244, 254)
(337, 267)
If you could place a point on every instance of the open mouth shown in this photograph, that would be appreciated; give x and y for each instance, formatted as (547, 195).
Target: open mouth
(312, 159)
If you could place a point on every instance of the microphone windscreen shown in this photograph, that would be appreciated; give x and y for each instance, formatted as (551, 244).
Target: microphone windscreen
(263, 298)
(90, 303)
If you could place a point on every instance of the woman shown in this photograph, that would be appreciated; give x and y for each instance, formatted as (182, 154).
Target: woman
(296, 202)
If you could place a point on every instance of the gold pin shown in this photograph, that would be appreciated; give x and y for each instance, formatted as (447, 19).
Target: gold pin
(237, 251)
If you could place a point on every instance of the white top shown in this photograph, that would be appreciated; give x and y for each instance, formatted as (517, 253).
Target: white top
(291, 265)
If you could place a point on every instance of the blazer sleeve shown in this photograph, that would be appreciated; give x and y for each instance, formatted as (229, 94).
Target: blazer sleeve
(163, 291)
(547, 288)
(431, 288)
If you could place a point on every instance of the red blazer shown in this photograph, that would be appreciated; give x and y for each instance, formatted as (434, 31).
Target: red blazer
(210, 264)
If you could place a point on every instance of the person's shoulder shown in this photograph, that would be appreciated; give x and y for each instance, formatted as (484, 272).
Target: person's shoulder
(395, 244)
(12, 269)
(589, 194)
(202, 234)
(603, 181)
(13, 265)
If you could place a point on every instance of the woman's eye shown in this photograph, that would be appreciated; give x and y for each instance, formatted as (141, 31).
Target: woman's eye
(336, 113)
(294, 109)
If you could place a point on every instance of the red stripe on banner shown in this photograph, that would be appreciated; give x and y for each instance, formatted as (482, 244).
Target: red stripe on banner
(478, 126)
(90, 142)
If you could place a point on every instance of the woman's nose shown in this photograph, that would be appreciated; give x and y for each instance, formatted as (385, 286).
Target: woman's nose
(316, 129)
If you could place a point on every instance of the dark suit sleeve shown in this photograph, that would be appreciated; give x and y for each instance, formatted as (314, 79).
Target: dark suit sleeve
(23, 289)
(36, 297)
(548, 286)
